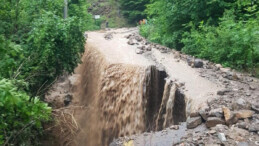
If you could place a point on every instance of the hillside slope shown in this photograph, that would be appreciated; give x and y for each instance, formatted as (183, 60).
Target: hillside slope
(109, 10)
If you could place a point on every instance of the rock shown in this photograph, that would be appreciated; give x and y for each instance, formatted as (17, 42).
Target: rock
(138, 38)
(198, 63)
(138, 51)
(141, 48)
(255, 108)
(237, 134)
(251, 87)
(67, 99)
(222, 137)
(204, 114)
(220, 128)
(213, 121)
(230, 75)
(243, 125)
(163, 50)
(253, 128)
(256, 117)
(218, 66)
(241, 104)
(230, 118)
(85, 36)
(216, 113)
(235, 77)
(227, 113)
(243, 114)
(225, 70)
(212, 132)
(175, 127)
(128, 36)
(242, 144)
(108, 36)
(193, 122)
(223, 92)
(190, 61)
(149, 48)
(194, 114)
(131, 42)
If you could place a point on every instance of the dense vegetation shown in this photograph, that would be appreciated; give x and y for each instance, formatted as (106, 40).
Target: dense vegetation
(36, 46)
(133, 10)
(223, 31)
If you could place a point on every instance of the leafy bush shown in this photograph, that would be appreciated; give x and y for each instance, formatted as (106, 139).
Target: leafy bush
(9, 54)
(223, 31)
(21, 119)
(36, 45)
(171, 17)
(55, 46)
(233, 43)
(150, 32)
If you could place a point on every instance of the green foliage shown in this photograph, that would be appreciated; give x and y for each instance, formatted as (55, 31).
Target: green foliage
(9, 53)
(134, 10)
(21, 119)
(36, 46)
(150, 32)
(233, 43)
(53, 46)
(171, 17)
(223, 31)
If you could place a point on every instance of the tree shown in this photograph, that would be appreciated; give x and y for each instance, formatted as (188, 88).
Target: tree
(134, 10)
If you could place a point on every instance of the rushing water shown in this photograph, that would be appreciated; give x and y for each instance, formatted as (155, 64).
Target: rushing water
(124, 99)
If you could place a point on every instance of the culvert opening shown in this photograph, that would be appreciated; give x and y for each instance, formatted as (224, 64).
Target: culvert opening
(179, 110)
(165, 102)
(154, 88)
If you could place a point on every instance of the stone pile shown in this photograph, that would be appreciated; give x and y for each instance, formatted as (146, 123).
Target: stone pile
(143, 45)
(236, 125)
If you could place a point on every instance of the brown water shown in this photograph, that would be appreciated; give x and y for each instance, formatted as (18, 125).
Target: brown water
(123, 99)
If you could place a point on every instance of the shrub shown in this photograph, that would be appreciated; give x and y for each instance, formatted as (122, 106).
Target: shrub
(55, 46)
(21, 119)
(10, 56)
(233, 43)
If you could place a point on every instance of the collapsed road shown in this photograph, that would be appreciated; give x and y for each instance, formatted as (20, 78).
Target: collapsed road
(129, 91)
